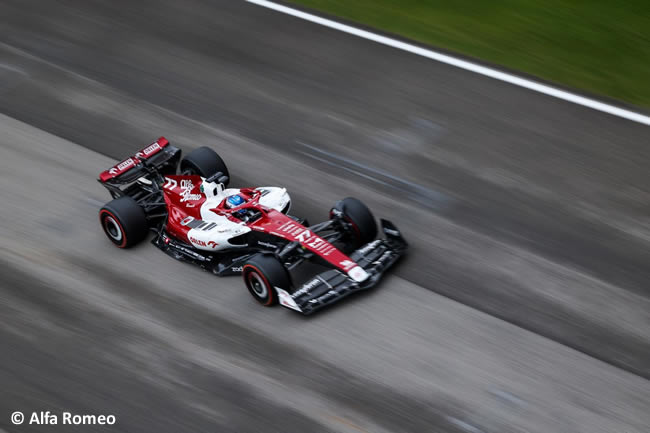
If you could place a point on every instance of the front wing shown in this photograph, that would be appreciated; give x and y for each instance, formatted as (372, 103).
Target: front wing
(332, 285)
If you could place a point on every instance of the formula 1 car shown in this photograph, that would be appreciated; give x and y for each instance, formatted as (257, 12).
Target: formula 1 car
(195, 217)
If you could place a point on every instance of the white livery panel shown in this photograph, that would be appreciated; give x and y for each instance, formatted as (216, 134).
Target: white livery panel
(214, 237)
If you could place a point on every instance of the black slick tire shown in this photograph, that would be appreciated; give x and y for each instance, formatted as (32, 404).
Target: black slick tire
(363, 227)
(262, 273)
(204, 162)
(124, 222)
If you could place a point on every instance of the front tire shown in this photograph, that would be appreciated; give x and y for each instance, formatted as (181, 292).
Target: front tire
(124, 222)
(204, 162)
(359, 219)
(262, 273)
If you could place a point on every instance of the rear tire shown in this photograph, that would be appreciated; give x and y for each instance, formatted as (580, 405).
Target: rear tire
(204, 162)
(363, 228)
(124, 222)
(262, 273)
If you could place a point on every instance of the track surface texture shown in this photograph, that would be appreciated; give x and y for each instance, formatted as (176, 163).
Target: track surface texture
(522, 305)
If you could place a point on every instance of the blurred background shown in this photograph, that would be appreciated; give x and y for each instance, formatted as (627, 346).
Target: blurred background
(521, 307)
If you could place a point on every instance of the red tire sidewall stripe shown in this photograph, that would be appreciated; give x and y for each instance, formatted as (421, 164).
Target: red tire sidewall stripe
(268, 285)
(109, 213)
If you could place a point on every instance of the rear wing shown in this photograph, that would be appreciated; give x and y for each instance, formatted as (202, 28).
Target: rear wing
(158, 154)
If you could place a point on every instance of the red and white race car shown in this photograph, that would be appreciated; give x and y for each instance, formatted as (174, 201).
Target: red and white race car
(195, 217)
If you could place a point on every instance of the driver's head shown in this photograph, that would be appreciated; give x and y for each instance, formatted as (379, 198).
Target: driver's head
(234, 201)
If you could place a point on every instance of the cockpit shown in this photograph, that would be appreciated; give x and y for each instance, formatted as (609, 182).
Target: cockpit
(242, 206)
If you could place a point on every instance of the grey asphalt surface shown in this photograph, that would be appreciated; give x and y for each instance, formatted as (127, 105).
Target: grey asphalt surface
(530, 211)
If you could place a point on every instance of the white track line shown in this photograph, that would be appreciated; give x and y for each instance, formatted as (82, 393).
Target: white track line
(463, 64)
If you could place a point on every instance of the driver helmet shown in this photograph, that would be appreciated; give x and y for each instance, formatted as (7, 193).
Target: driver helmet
(234, 201)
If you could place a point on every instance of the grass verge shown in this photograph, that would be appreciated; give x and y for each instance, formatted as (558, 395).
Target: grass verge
(598, 46)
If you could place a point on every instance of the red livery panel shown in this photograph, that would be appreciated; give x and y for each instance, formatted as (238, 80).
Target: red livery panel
(184, 198)
(278, 224)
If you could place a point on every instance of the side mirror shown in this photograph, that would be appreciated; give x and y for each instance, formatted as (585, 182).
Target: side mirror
(223, 179)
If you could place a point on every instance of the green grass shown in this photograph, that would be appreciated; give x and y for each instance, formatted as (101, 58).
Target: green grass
(599, 46)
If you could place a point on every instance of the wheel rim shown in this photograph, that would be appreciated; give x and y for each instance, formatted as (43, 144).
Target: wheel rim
(257, 284)
(113, 229)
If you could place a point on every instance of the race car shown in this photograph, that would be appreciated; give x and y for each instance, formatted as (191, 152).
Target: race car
(196, 217)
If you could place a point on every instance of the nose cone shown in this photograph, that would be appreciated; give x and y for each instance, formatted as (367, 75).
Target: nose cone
(358, 274)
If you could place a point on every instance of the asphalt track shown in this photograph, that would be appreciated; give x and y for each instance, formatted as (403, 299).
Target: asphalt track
(523, 305)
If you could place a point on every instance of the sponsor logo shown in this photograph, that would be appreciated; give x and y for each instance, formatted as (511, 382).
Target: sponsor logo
(193, 197)
(237, 268)
(292, 228)
(186, 190)
(187, 196)
(307, 238)
(302, 237)
(124, 164)
(186, 193)
(307, 287)
(212, 244)
(155, 147)
(198, 241)
(185, 221)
